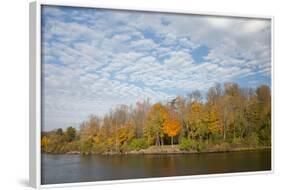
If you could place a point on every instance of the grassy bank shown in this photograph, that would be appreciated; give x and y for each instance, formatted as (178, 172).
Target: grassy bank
(176, 149)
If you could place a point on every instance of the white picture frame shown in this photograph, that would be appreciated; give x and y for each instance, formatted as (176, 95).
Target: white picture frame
(35, 92)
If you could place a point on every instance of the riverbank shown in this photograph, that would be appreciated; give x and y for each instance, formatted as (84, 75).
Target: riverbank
(176, 150)
(168, 149)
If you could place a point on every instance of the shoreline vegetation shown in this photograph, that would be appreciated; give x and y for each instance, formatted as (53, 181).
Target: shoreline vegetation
(153, 150)
(228, 118)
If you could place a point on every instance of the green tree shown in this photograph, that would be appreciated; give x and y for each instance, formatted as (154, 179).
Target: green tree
(70, 134)
(59, 132)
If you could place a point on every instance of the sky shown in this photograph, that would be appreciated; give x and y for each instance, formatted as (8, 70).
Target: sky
(94, 60)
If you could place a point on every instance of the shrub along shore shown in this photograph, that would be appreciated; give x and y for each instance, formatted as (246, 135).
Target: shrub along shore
(228, 118)
(177, 150)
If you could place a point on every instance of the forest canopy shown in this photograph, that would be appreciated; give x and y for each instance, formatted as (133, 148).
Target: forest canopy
(228, 116)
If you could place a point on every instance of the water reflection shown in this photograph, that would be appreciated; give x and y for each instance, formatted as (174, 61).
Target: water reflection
(76, 168)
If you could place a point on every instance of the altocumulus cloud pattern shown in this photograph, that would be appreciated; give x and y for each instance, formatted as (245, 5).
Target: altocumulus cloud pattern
(95, 59)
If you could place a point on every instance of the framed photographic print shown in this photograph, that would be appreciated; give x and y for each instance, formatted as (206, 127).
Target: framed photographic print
(120, 94)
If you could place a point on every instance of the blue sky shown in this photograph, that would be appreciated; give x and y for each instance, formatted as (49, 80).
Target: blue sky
(96, 59)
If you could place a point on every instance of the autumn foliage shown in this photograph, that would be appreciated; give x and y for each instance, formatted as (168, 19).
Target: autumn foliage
(227, 116)
(171, 127)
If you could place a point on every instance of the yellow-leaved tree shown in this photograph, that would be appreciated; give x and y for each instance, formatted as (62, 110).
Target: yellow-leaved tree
(44, 143)
(125, 133)
(194, 120)
(213, 123)
(157, 116)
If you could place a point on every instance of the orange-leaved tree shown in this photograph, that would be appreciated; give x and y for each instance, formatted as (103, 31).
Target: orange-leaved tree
(171, 128)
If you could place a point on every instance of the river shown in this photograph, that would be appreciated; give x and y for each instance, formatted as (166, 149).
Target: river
(78, 168)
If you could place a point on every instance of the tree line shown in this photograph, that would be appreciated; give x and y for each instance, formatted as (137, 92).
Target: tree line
(228, 115)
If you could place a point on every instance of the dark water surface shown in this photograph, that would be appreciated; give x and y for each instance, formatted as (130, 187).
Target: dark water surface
(77, 168)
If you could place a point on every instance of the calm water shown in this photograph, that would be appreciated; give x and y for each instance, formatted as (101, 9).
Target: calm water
(76, 168)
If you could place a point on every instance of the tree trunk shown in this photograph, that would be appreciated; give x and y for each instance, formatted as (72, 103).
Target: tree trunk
(234, 133)
(224, 126)
(116, 146)
(172, 142)
(157, 139)
(224, 130)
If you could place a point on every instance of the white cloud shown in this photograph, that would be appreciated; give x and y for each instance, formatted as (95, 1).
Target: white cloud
(219, 22)
(178, 59)
(143, 45)
(255, 26)
(121, 38)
